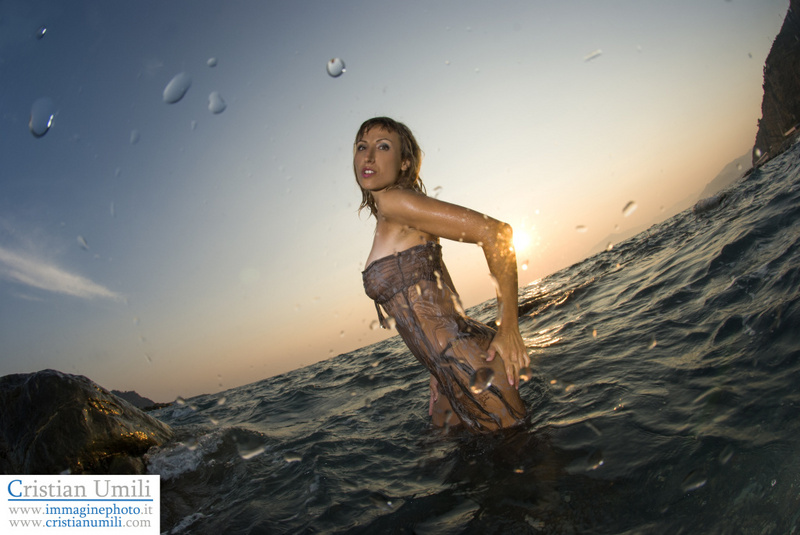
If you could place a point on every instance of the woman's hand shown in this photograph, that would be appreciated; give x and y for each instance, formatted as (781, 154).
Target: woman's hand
(509, 345)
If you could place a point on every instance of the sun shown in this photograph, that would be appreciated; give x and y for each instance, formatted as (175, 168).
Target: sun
(522, 240)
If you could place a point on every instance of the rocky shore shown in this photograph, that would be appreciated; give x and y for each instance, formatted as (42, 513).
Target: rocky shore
(53, 423)
(779, 125)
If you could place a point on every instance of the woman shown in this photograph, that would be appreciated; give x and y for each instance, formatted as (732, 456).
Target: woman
(406, 277)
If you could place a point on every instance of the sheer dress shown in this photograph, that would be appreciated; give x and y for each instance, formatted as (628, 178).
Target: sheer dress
(428, 316)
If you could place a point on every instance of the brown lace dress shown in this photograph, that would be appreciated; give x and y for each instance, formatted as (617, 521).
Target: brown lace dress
(427, 314)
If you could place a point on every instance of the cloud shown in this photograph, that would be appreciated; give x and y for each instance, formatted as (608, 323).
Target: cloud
(23, 269)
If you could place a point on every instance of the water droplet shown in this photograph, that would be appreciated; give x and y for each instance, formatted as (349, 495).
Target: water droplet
(773, 482)
(593, 429)
(436, 191)
(213, 421)
(525, 374)
(215, 103)
(83, 244)
(43, 112)
(610, 246)
(581, 228)
(292, 458)
(758, 153)
(693, 481)
(381, 501)
(111, 209)
(629, 208)
(726, 454)
(250, 448)
(595, 460)
(134, 137)
(335, 67)
(180, 401)
(41, 32)
(222, 400)
(593, 55)
(193, 126)
(594, 333)
(481, 380)
(191, 444)
(525, 266)
(177, 87)
(212, 62)
(653, 343)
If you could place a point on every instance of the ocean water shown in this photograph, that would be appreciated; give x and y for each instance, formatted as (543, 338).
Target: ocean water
(666, 400)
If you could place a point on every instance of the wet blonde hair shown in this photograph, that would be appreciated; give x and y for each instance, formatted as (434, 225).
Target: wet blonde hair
(409, 151)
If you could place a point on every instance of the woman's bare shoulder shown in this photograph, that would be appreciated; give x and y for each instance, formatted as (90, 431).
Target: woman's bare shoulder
(397, 201)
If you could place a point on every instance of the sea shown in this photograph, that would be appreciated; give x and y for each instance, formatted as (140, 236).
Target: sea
(665, 399)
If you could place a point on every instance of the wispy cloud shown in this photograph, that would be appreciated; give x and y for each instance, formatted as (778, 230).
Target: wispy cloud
(24, 269)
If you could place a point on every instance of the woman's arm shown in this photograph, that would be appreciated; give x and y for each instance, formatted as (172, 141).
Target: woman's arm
(455, 222)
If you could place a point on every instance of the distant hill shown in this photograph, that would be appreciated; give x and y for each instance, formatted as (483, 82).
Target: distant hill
(729, 174)
(134, 399)
(732, 172)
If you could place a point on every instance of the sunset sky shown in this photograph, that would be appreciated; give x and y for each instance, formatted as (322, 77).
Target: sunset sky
(164, 248)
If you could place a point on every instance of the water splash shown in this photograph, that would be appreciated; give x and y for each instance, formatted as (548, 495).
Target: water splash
(216, 104)
(43, 112)
(335, 67)
(481, 380)
(177, 88)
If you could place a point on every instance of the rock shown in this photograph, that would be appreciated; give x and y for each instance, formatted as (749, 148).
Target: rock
(53, 422)
(780, 107)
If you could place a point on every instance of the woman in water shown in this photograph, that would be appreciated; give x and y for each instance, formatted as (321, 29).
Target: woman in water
(406, 277)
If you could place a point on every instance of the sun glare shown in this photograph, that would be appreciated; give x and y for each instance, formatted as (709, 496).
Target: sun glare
(522, 240)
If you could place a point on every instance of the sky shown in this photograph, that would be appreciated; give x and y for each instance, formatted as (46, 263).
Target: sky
(178, 248)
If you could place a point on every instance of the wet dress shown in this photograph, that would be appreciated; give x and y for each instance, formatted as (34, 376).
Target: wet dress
(409, 286)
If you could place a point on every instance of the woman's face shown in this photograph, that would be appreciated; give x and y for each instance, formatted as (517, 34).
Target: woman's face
(376, 159)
